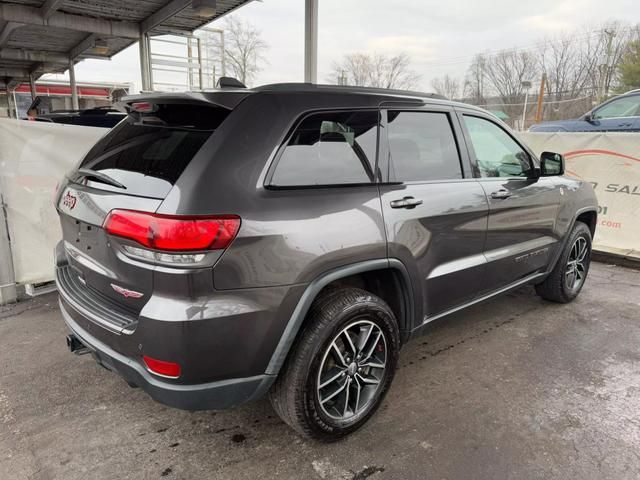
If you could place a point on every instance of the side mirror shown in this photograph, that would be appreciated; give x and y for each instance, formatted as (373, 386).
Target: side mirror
(551, 164)
(588, 117)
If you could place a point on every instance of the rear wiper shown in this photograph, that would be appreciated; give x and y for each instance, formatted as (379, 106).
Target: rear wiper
(98, 177)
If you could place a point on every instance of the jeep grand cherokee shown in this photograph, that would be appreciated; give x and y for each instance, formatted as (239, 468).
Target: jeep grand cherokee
(289, 239)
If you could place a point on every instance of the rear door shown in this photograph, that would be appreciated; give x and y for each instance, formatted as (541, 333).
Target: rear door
(435, 213)
(522, 208)
(133, 167)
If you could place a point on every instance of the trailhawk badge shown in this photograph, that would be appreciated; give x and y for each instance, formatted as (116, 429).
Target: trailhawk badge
(125, 292)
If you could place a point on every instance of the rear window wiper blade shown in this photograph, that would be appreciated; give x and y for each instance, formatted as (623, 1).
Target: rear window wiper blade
(97, 176)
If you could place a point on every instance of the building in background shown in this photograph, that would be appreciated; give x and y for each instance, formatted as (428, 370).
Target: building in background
(56, 96)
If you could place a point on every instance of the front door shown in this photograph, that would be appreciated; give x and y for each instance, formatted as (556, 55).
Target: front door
(522, 208)
(435, 215)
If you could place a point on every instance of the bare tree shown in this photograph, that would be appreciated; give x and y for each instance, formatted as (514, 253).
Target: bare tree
(375, 70)
(565, 66)
(474, 84)
(446, 86)
(582, 67)
(244, 49)
(506, 70)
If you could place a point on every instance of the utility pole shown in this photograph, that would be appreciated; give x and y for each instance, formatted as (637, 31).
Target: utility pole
(526, 85)
(543, 82)
(342, 80)
(605, 70)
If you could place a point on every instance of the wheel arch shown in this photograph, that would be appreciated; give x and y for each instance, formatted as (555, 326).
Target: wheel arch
(295, 323)
(587, 215)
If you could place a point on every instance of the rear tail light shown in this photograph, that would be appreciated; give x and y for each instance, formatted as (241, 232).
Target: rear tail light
(173, 233)
(175, 236)
(161, 367)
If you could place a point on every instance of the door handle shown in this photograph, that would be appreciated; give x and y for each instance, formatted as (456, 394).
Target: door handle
(502, 193)
(406, 202)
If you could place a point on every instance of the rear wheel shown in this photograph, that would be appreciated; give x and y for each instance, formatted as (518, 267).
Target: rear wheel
(340, 368)
(568, 276)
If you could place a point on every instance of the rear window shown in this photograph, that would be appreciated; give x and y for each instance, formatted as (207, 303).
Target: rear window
(330, 148)
(148, 152)
(422, 147)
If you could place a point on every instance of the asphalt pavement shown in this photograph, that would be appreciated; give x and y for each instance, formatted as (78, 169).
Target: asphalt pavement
(515, 388)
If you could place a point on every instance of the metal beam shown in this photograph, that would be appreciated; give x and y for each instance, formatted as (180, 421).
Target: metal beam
(14, 72)
(6, 32)
(32, 56)
(145, 62)
(84, 56)
(86, 44)
(74, 87)
(8, 292)
(165, 13)
(32, 86)
(311, 41)
(22, 74)
(50, 7)
(79, 23)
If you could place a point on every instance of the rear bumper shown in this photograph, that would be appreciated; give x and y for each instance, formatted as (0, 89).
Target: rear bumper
(205, 396)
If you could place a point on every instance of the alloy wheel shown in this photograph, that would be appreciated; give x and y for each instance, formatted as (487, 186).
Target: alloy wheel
(352, 370)
(576, 269)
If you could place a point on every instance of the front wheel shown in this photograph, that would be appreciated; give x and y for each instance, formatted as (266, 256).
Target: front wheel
(341, 366)
(568, 276)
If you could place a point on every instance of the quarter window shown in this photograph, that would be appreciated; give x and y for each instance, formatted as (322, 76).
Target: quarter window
(497, 154)
(331, 148)
(422, 147)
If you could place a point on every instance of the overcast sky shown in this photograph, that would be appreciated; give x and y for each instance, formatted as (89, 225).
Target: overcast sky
(440, 37)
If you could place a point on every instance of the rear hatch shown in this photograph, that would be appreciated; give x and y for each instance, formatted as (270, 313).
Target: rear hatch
(131, 169)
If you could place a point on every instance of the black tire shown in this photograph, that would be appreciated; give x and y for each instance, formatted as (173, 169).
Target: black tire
(295, 395)
(557, 286)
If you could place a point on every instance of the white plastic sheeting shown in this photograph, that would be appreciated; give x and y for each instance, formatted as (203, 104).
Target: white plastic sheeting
(33, 157)
(611, 162)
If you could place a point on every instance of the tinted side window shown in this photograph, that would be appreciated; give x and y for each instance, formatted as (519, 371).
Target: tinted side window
(497, 154)
(331, 148)
(422, 147)
(623, 107)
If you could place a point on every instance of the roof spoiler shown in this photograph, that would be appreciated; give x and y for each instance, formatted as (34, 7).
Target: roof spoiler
(228, 100)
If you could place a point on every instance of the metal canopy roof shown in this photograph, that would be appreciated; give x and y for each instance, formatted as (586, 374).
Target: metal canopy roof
(44, 36)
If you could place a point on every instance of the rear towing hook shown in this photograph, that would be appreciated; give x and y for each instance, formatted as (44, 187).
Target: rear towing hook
(76, 346)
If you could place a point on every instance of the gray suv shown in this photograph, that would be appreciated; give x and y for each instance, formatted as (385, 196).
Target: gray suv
(289, 239)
